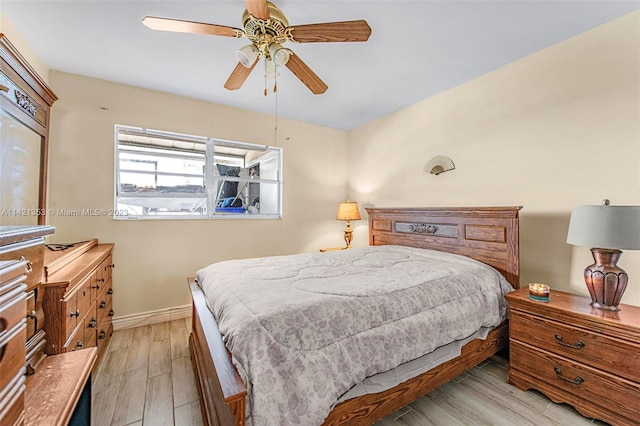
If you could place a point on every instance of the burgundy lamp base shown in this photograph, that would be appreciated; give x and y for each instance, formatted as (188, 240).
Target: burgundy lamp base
(605, 281)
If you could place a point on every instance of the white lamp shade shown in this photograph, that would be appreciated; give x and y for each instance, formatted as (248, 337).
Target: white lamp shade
(610, 227)
(247, 55)
(279, 54)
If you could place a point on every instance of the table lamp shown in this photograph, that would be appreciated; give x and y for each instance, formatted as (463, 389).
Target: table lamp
(608, 230)
(348, 210)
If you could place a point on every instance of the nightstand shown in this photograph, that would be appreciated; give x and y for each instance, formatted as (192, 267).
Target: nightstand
(322, 250)
(576, 354)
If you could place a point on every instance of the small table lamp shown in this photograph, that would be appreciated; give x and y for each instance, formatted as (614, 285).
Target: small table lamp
(348, 211)
(608, 229)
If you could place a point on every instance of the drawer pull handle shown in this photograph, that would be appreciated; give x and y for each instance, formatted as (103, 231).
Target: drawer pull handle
(80, 345)
(112, 266)
(110, 291)
(29, 265)
(97, 287)
(32, 315)
(93, 323)
(102, 334)
(103, 305)
(101, 280)
(75, 314)
(111, 313)
(578, 380)
(578, 345)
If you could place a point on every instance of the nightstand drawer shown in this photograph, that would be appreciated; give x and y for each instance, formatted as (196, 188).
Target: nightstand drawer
(579, 381)
(612, 355)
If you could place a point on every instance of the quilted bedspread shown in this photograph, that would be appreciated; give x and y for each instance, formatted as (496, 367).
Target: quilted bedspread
(303, 329)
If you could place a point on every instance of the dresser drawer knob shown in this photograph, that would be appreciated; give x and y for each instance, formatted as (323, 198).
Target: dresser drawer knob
(578, 345)
(75, 314)
(29, 265)
(111, 313)
(93, 323)
(100, 280)
(103, 304)
(102, 335)
(80, 345)
(110, 291)
(578, 380)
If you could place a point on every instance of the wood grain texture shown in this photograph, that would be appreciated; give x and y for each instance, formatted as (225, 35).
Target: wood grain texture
(346, 31)
(485, 385)
(158, 407)
(306, 75)
(180, 26)
(53, 391)
(494, 233)
(258, 8)
(222, 391)
(239, 75)
(577, 354)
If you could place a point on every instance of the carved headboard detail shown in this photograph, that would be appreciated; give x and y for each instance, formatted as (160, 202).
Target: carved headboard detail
(487, 234)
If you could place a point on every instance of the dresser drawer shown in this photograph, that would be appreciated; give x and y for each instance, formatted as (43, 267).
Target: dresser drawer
(69, 307)
(12, 401)
(33, 252)
(580, 381)
(12, 352)
(76, 340)
(13, 305)
(91, 328)
(83, 297)
(615, 356)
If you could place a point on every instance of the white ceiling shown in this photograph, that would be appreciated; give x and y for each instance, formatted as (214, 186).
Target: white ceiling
(417, 48)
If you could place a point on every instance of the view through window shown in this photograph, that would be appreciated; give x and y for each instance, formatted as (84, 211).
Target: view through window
(169, 175)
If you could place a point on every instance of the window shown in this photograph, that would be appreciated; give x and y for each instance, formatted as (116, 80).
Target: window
(169, 175)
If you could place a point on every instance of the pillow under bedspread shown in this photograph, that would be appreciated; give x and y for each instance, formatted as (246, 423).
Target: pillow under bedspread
(303, 329)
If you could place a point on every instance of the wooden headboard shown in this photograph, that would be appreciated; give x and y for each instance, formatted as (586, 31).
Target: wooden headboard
(487, 234)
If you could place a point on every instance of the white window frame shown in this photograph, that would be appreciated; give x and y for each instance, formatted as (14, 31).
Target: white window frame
(210, 177)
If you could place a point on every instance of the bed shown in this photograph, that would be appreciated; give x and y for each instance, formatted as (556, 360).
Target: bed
(486, 234)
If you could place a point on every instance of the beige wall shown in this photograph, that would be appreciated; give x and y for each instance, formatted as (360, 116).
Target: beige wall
(558, 128)
(154, 257)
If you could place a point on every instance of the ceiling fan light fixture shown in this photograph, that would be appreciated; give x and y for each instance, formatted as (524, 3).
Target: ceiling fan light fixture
(270, 68)
(247, 55)
(279, 54)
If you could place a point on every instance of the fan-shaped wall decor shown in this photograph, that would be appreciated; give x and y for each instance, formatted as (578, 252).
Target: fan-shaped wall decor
(439, 164)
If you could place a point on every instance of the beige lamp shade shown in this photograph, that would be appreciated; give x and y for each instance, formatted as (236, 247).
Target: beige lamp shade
(605, 226)
(348, 210)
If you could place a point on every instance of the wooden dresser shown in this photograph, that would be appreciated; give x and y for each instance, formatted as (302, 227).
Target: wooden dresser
(13, 326)
(22, 338)
(576, 354)
(77, 296)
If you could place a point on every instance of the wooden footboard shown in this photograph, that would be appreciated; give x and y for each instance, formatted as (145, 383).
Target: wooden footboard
(222, 392)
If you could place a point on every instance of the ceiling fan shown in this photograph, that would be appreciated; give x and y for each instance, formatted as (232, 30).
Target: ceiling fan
(268, 29)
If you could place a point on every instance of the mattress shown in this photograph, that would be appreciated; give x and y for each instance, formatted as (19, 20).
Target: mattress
(305, 329)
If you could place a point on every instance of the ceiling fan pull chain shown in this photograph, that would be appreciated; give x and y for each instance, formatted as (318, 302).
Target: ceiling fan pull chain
(265, 76)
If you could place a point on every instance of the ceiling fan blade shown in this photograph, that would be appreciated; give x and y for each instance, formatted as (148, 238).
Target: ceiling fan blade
(239, 76)
(306, 75)
(258, 8)
(331, 32)
(176, 25)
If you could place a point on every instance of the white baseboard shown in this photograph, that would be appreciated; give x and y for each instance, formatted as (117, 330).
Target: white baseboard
(151, 317)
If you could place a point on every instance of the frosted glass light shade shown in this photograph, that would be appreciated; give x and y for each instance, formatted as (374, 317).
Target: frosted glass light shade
(279, 54)
(604, 226)
(247, 55)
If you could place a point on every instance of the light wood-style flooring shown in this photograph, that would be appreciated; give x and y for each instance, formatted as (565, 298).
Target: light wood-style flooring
(146, 378)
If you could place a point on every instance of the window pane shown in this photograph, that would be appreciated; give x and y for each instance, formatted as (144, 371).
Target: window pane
(161, 174)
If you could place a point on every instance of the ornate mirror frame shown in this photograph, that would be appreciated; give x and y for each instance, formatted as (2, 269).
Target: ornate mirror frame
(26, 97)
